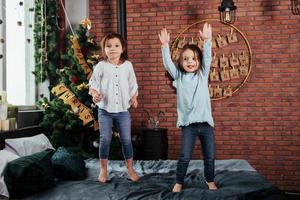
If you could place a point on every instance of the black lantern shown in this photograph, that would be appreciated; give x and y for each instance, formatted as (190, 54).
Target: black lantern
(295, 7)
(227, 11)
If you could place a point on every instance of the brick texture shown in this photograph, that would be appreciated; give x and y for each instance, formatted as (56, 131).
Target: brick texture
(261, 122)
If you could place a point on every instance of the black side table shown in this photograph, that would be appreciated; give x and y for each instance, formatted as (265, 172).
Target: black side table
(154, 144)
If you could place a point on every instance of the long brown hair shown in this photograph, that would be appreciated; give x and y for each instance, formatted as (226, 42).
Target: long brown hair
(194, 48)
(123, 43)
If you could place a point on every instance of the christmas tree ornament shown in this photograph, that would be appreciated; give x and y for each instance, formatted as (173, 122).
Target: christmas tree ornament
(86, 23)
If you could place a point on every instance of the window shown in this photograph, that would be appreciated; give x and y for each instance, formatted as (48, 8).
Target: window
(17, 63)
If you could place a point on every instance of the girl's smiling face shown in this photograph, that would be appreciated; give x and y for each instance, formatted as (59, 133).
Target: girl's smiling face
(190, 62)
(113, 49)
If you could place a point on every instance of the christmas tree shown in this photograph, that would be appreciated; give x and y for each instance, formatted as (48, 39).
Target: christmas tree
(70, 118)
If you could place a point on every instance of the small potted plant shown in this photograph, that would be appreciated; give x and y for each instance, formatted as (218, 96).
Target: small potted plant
(154, 134)
(153, 121)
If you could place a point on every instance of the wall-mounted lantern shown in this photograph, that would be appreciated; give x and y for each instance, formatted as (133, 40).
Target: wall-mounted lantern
(227, 11)
(295, 7)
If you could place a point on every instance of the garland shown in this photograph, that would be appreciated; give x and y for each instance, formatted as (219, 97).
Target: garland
(84, 113)
(45, 40)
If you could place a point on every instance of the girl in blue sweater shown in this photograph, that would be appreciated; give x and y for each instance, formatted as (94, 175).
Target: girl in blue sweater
(193, 103)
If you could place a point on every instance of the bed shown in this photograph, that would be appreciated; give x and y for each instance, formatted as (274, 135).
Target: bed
(236, 179)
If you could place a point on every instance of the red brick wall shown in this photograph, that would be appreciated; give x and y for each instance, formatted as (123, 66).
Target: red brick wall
(260, 123)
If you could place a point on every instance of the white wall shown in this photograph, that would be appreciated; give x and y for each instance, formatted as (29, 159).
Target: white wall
(15, 53)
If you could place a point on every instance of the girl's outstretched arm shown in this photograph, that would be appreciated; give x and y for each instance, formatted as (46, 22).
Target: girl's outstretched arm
(206, 35)
(164, 37)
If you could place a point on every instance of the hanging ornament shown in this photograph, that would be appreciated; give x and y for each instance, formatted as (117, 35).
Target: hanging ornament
(21, 3)
(30, 25)
(1, 56)
(19, 23)
(31, 9)
(74, 79)
(2, 40)
(1, 21)
(28, 40)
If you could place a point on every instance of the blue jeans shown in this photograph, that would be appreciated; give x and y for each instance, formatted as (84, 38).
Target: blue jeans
(205, 133)
(123, 122)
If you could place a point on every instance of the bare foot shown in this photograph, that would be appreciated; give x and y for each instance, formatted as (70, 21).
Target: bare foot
(102, 178)
(177, 188)
(133, 175)
(211, 185)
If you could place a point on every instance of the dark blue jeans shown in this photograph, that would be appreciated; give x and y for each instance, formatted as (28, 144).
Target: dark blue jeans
(205, 133)
(123, 122)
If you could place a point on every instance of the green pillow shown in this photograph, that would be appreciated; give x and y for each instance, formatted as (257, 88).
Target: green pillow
(29, 174)
(68, 165)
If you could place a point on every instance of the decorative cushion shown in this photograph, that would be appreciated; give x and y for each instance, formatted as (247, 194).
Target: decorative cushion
(30, 174)
(68, 165)
(5, 157)
(28, 145)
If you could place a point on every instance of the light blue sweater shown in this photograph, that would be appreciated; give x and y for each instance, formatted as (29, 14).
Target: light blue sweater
(193, 100)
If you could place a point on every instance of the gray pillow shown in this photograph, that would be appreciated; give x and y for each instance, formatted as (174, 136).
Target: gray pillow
(26, 146)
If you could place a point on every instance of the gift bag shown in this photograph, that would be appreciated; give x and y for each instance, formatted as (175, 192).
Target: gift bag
(244, 59)
(234, 73)
(218, 91)
(214, 61)
(224, 74)
(243, 70)
(221, 41)
(232, 36)
(233, 60)
(224, 63)
(214, 75)
(227, 91)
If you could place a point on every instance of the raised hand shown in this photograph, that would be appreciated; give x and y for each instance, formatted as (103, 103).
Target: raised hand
(164, 37)
(206, 34)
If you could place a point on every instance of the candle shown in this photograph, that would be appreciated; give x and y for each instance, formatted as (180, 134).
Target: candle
(5, 125)
(3, 111)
